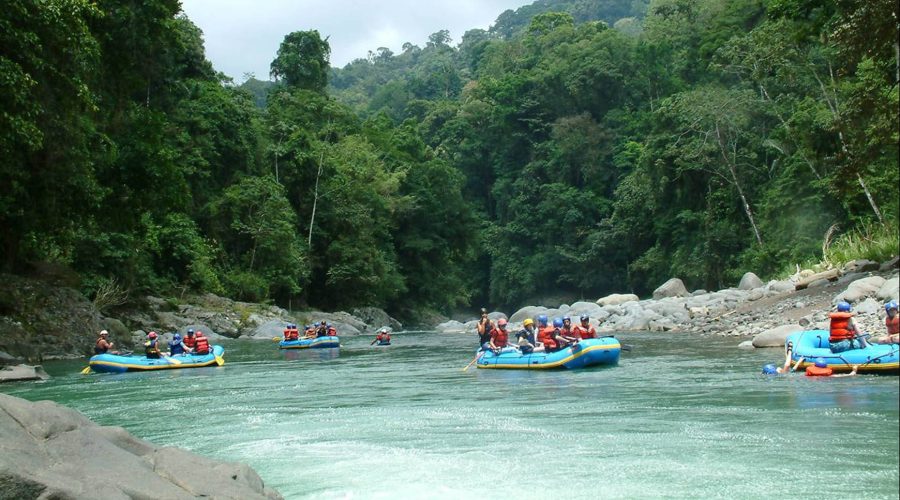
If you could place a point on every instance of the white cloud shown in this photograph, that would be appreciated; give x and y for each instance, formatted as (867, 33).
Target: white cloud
(243, 36)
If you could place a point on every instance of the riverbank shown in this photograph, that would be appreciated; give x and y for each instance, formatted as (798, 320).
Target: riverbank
(757, 314)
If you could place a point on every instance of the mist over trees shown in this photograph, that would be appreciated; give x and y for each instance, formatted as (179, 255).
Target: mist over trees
(576, 146)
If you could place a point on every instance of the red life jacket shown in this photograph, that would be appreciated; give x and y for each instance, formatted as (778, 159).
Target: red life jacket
(202, 345)
(310, 332)
(287, 334)
(332, 331)
(840, 326)
(294, 334)
(545, 336)
(567, 332)
(892, 324)
(383, 337)
(586, 333)
(190, 341)
(815, 371)
(499, 337)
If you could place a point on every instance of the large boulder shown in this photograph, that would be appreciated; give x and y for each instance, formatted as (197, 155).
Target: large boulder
(376, 318)
(750, 281)
(451, 326)
(805, 281)
(860, 289)
(672, 288)
(890, 290)
(860, 266)
(775, 337)
(780, 286)
(528, 312)
(890, 264)
(50, 451)
(268, 330)
(616, 299)
(21, 373)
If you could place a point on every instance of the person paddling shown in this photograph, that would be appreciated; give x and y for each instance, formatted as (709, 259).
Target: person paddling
(585, 330)
(546, 335)
(892, 323)
(177, 347)
(189, 339)
(527, 341)
(103, 344)
(151, 346)
(499, 336)
(383, 337)
(201, 347)
(483, 329)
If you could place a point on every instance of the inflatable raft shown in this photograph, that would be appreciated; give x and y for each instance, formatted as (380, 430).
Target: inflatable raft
(589, 352)
(812, 344)
(316, 343)
(117, 363)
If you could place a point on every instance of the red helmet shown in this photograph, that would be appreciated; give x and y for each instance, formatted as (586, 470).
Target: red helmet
(152, 335)
(501, 322)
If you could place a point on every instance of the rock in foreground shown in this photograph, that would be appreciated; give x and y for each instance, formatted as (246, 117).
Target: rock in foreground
(50, 451)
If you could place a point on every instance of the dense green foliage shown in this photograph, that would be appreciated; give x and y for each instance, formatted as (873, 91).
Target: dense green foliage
(581, 146)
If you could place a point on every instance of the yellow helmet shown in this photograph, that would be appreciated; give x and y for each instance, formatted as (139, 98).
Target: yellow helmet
(528, 321)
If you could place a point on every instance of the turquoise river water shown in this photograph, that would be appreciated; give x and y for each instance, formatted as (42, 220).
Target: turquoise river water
(681, 416)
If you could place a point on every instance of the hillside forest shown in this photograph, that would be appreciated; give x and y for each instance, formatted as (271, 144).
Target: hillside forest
(575, 148)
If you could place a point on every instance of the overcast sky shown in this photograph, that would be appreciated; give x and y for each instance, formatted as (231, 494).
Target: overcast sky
(242, 36)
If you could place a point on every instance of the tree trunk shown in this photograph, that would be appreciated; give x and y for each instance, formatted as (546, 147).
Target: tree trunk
(312, 218)
(723, 149)
(871, 200)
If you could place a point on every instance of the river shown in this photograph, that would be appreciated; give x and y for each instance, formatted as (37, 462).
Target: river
(681, 416)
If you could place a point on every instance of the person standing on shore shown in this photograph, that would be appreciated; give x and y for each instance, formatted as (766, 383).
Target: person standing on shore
(483, 329)
(892, 323)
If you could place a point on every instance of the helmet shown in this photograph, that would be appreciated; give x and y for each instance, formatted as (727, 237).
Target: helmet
(528, 321)
(176, 337)
(542, 319)
(887, 307)
(199, 333)
(567, 318)
(558, 322)
(322, 322)
(104, 332)
(585, 317)
(820, 363)
(501, 322)
(190, 331)
(152, 335)
(843, 306)
(769, 369)
(483, 311)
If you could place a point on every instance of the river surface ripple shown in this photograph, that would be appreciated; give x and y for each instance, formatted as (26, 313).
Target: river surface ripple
(681, 416)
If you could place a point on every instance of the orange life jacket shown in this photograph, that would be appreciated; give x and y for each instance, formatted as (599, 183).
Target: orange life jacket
(585, 333)
(840, 326)
(545, 336)
(294, 334)
(499, 337)
(815, 371)
(892, 324)
(202, 345)
(190, 341)
(287, 334)
(332, 331)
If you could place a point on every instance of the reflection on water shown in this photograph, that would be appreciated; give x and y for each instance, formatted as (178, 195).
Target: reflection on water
(680, 417)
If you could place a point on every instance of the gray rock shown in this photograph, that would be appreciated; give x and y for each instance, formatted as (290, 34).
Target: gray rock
(617, 299)
(50, 451)
(780, 286)
(890, 290)
(807, 280)
(775, 337)
(528, 312)
(698, 292)
(755, 294)
(868, 306)
(889, 264)
(860, 266)
(750, 281)
(451, 326)
(860, 289)
(850, 278)
(268, 330)
(21, 373)
(818, 283)
(6, 359)
(747, 344)
(376, 317)
(672, 288)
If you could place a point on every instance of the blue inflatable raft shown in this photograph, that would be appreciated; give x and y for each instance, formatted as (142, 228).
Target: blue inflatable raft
(588, 352)
(812, 344)
(117, 363)
(316, 343)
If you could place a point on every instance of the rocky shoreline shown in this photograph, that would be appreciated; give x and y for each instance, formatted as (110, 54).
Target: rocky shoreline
(50, 451)
(760, 314)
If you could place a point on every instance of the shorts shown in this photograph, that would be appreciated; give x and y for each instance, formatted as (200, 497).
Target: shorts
(844, 345)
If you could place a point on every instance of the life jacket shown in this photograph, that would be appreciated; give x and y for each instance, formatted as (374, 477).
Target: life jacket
(101, 349)
(151, 348)
(840, 326)
(500, 337)
(190, 341)
(568, 332)
(309, 332)
(547, 337)
(383, 337)
(176, 347)
(815, 371)
(586, 333)
(332, 331)
(202, 345)
(287, 334)
(293, 334)
(892, 324)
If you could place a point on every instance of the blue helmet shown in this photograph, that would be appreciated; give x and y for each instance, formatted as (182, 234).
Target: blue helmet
(176, 337)
(542, 319)
(820, 363)
(769, 369)
(890, 305)
(557, 322)
(843, 306)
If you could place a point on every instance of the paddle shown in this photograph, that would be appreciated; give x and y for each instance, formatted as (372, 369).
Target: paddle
(86, 371)
(219, 360)
(477, 356)
(794, 368)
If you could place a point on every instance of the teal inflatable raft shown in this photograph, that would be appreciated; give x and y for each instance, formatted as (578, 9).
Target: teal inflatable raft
(316, 343)
(812, 344)
(588, 352)
(117, 363)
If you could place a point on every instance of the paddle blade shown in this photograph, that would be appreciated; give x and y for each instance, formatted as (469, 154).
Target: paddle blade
(86, 370)
(627, 347)
(276, 339)
(220, 360)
